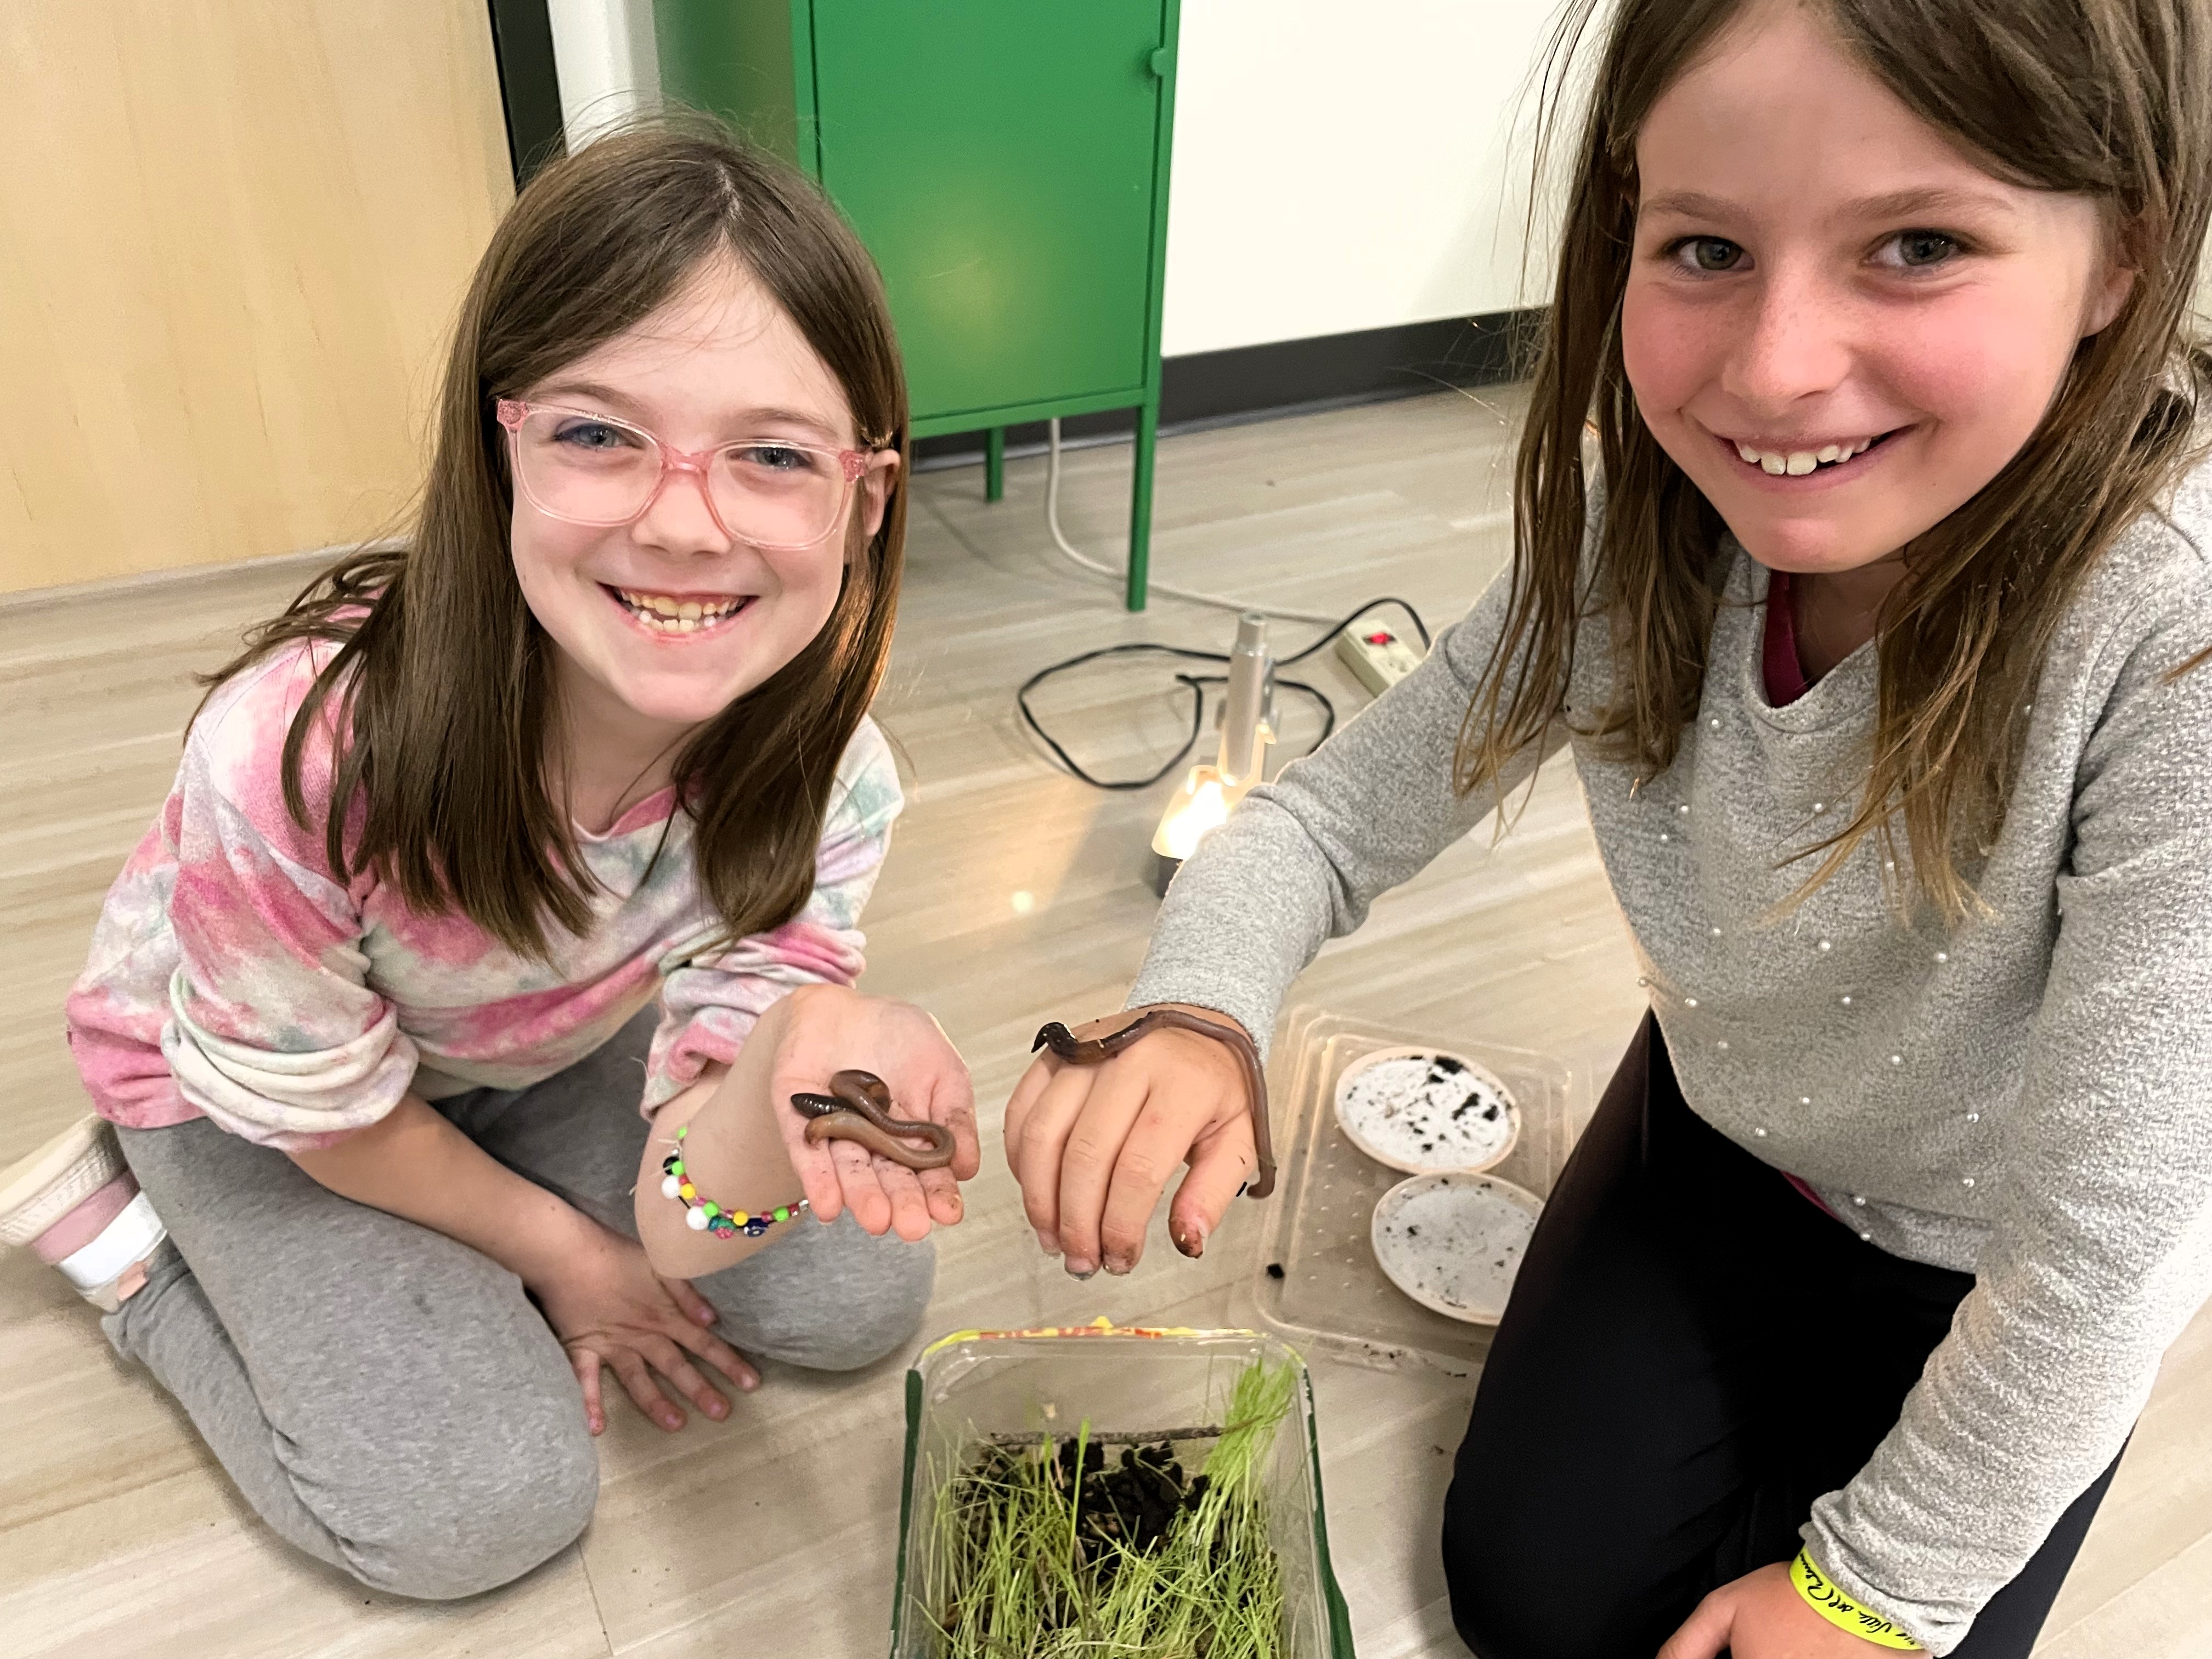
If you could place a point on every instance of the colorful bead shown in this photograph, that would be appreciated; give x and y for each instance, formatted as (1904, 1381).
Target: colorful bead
(704, 1215)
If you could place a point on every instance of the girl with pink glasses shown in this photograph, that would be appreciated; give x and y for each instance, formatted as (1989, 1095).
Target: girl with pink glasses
(519, 871)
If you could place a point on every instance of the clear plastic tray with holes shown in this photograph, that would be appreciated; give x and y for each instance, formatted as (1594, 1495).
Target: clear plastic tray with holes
(1316, 1280)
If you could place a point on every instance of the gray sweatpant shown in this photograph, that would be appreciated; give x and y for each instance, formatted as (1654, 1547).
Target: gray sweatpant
(389, 1400)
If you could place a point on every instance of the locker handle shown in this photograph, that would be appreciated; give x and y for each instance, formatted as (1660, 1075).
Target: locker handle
(1158, 60)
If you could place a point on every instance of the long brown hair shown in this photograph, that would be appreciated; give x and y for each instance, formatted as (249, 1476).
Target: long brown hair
(441, 682)
(2111, 99)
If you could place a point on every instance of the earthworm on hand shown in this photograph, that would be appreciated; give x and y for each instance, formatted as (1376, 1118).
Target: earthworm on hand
(1096, 1051)
(858, 1108)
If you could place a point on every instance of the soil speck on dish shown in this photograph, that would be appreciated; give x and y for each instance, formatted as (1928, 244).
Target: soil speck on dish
(1426, 1111)
(1435, 1232)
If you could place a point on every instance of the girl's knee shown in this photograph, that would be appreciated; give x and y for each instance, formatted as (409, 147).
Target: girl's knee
(1490, 1611)
(1502, 1611)
(1530, 1581)
(463, 1529)
(875, 1318)
(1497, 1592)
(860, 1342)
(841, 1301)
(487, 1488)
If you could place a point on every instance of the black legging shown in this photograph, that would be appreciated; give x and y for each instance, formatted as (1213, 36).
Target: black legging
(1636, 1441)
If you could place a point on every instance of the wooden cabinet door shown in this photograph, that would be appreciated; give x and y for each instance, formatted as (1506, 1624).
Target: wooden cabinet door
(232, 239)
(997, 157)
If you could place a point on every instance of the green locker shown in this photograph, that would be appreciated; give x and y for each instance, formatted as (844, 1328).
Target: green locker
(1007, 163)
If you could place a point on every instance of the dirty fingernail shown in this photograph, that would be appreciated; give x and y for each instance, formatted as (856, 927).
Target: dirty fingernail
(1191, 1240)
(1047, 1243)
(1117, 1265)
(1081, 1267)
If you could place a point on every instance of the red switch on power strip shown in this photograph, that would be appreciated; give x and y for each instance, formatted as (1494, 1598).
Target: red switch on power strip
(1380, 658)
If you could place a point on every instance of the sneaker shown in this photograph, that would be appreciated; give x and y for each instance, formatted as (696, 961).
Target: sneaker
(76, 1206)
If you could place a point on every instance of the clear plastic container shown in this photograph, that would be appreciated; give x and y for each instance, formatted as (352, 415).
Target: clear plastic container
(1315, 1278)
(1130, 1385)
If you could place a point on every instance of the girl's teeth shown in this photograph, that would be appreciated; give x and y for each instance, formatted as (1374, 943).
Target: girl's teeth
(667, 616)
(1797, 463)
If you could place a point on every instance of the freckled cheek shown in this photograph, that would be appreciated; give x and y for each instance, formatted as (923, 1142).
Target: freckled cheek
(1671, 351)
(1978, 375)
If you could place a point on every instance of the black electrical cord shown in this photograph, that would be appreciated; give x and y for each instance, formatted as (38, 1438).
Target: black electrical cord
(1197, 683)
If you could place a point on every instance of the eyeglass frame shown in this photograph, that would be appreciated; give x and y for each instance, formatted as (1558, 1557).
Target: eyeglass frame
(512, 412)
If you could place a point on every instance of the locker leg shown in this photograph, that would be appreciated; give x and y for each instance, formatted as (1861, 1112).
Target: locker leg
(1141, 505)
(994, 464)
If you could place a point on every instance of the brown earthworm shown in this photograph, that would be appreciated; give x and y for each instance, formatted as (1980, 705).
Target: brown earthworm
(858, 1108)
(1094, 1051)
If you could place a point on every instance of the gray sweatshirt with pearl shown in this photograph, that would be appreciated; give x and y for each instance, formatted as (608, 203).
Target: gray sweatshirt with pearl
(2028, 1098)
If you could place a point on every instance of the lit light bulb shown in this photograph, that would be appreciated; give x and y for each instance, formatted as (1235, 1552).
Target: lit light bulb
(1209, 794)
(1204, 806)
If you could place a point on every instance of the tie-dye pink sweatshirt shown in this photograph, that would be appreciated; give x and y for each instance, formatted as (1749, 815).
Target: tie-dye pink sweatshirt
(232, 975)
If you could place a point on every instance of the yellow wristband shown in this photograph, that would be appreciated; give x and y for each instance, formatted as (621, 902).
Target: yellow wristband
(1840, 1610)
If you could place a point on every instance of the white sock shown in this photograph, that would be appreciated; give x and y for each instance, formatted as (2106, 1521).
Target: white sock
(131, 1237)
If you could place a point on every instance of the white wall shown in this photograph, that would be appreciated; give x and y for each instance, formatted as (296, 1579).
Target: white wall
(1346, 166)
(1336, 166)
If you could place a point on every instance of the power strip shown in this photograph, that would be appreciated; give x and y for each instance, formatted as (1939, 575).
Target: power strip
(1377, 656)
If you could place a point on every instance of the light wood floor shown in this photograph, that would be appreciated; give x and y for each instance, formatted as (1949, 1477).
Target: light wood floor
(1013, 894)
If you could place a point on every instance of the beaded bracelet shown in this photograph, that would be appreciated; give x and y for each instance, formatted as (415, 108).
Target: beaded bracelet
(704, 1215)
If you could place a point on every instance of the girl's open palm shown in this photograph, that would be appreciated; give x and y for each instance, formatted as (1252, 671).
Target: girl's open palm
(611, 1309)
(819, 1031)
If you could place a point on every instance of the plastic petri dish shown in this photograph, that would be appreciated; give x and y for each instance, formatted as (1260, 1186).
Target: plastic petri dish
(1425, 1109)
(1454, 1242)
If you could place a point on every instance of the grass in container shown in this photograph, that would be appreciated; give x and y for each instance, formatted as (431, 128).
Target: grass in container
(1056, 1549)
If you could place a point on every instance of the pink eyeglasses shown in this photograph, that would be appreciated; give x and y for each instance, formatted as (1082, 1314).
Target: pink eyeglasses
(593, 469)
